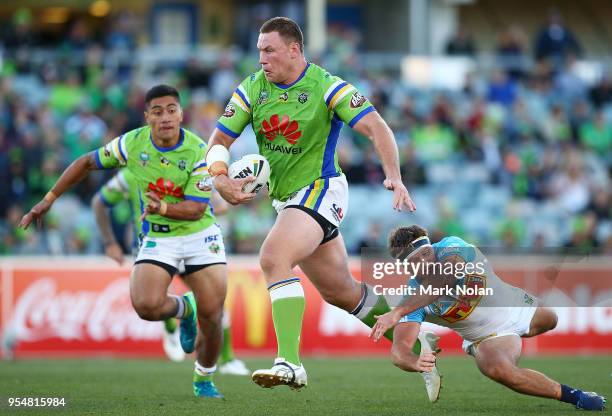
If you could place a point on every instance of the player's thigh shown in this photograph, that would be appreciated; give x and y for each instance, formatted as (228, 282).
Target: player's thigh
(149, 285)
(209, 286)
(294, 236)
(497, 357)
(327, 268)
(544, 319)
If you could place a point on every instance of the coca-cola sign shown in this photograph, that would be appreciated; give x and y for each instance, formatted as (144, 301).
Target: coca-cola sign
(44, 311)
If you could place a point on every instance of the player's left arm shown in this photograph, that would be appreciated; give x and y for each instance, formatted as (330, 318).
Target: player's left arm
(187, 210)
(376, 129)
(404, 338)
(196, 197)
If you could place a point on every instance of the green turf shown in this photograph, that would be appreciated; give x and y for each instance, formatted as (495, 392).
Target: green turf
(336, 386)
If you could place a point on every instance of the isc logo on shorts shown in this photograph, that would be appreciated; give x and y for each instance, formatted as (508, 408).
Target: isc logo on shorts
(211, 238)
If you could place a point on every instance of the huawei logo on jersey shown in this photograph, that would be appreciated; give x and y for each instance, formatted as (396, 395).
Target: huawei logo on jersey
(163, 187)
(283, 127)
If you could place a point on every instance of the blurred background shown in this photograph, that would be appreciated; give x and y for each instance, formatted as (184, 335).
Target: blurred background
(502, 111)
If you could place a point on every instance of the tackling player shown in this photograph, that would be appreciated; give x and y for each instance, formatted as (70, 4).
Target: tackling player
(177, 223)
(297, 110)
(122, 187)
(491, 325)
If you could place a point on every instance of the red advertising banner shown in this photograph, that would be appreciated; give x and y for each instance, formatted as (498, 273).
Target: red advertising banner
(81, 307)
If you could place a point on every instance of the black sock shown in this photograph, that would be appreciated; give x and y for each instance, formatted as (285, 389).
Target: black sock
(569, 394)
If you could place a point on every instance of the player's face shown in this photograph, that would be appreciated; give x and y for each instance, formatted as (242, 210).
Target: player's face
(164, 115)
(276, 56)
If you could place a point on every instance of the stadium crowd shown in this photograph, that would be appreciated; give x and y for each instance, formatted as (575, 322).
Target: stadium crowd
(521, 157)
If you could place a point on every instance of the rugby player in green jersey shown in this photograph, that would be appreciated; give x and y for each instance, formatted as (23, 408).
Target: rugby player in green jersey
(174, 188)
(123, 187)
(297, 109)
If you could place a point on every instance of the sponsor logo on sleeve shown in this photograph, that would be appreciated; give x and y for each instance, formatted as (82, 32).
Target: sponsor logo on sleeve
(205, 185)
(357, 100)
(229, 111)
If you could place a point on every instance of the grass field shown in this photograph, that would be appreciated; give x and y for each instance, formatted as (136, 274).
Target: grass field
(336, 387)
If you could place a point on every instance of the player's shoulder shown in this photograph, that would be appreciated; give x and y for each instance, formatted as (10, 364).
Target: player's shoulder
(322, 76)
(453, 245)
(136, 136)
(194, 141)
(452, 241)
(253, 79)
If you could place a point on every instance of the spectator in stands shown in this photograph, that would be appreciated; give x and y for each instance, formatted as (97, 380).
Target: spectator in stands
(596, 135)
(601, 93)
(511, 54)
(583, 239)
(19, 33)
(433, 141)
(555, 41)
(502, 89)
(570, 187)
(461, 43)
(372, 239)
(601, 204)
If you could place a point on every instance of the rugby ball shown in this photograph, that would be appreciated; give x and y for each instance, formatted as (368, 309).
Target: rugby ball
(251, 165)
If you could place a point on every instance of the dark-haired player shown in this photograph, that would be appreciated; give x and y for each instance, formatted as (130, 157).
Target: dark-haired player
(490, 323)
(169, 167)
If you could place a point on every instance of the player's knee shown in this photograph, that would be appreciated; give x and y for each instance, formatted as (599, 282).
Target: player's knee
(552, 321)
(272, 263)
(147, 310)
(212, 314)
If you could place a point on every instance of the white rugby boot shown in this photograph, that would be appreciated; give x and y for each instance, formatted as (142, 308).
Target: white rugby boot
(281, 373)
(433, 379)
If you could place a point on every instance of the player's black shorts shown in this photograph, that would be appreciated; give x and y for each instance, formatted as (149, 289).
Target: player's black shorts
(330, 231)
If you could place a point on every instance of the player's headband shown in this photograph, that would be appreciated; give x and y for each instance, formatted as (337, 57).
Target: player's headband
(414, 247)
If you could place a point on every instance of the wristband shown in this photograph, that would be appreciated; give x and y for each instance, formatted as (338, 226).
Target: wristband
(50, 197)
(163, 207)
(217, 160)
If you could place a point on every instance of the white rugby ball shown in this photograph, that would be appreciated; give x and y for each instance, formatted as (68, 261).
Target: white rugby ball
(251, 165)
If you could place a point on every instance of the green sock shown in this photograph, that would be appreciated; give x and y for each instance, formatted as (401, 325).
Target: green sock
(227, 352)
(381, 307)
(197, 377)
(170, 325)
(287, 313)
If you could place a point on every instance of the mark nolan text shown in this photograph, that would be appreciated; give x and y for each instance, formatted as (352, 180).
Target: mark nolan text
(456, 291)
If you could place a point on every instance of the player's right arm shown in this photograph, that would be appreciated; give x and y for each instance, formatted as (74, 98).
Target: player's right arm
(404, 338)
(235, 118)
(110, 156)
(113, 192)
(218, 161)
(75, 173)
